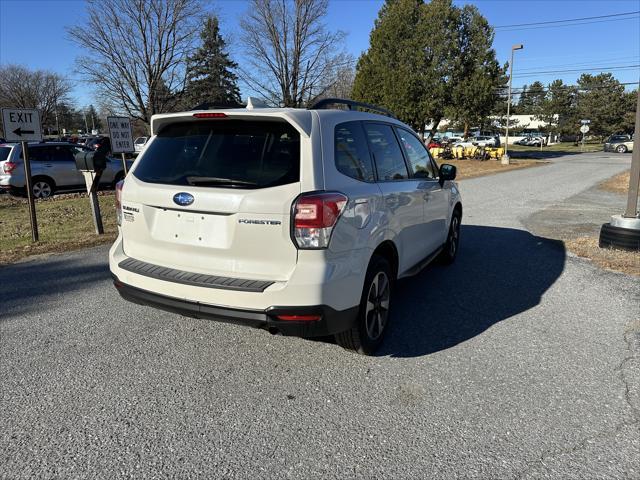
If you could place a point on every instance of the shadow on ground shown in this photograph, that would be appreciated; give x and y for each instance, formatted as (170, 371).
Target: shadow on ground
(537, 154)
(499, 273)
(25, 286)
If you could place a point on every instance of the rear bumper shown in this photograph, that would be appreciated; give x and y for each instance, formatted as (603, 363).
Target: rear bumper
(331, 321)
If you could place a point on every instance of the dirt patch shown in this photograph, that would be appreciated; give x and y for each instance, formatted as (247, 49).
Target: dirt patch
(64, 223)
(611, 259)
(476, 168)
(617, 184)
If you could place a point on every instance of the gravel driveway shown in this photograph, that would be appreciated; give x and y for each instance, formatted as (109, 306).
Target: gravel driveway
(519, 361)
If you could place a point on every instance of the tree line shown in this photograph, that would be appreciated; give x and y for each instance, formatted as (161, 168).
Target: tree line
(425, 62)
(600, 98)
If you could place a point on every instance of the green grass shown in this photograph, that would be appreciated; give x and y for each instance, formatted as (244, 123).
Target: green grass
(64, 223)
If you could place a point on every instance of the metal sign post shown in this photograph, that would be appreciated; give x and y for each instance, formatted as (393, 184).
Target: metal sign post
(584, 129)
(121, 137)
(23, 125)
(32, 204)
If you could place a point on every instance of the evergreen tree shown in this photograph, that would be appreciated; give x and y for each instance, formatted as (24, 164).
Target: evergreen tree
(211, 77)
(558, 109)
(426, 61)
(478, 75)
(531, 98)
(601, 99)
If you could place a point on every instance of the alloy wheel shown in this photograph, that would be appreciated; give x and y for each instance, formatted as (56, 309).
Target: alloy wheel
(454, 235)
(41, 190)
(377, 309)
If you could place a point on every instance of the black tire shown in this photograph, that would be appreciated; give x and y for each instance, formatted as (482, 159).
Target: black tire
(42, 187)
(373, 317)
(450, 247)
(617, 237)
(621, 149)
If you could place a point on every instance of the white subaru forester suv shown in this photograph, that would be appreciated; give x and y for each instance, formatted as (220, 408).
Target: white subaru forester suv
(296, 221)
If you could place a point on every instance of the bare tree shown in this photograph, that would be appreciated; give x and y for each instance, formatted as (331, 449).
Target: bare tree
(289, 51)
(41, 89)
(339, 84)
(136, 51)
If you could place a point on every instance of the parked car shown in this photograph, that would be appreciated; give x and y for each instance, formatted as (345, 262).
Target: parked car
(298, 221)
(619, 144)
(53, 168)
(486, 141)
(531, 141)
(139, 143)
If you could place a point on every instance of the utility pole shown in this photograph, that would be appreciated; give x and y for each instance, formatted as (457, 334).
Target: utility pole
(505, 157)
(86, 127)
(634, 178)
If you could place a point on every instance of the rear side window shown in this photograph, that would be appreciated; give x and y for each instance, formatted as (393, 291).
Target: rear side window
(351, 152)
(386, 152)
(223, 153)
(417, 155)
(4, 153)
(61, 153)
(39, 154)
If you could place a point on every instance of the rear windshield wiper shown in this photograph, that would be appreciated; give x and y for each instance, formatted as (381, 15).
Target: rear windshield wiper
(211, 181)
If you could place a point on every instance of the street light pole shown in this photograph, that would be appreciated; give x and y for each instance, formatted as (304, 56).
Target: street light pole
(505, 157)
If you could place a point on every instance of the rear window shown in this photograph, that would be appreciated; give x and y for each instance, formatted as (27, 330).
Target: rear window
(223, 153)
(4, 153)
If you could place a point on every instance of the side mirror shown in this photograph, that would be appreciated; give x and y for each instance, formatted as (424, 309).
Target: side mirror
(447, 172)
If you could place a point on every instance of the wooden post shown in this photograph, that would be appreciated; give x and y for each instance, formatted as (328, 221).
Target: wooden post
(124, 163)
(29, 187)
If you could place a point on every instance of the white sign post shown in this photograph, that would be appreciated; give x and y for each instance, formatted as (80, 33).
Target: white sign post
(23, 125)
(121, 137)
(584, 129)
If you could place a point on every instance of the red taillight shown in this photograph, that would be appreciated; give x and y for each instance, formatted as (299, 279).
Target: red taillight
(299, 318)
(9, 167)
(210, 115)
(314, 216)
(119, 201)
(319, 210)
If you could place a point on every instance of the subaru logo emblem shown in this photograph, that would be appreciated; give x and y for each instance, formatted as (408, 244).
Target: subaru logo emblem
(183, 199)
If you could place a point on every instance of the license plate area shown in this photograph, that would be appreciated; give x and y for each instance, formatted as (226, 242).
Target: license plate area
(191, 228)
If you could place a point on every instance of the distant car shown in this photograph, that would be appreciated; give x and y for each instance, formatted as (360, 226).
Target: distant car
(53, 168)
(486, 141)
(619, 144)
(483, 141)
(139, 143)
(531, 141)
(451, 140)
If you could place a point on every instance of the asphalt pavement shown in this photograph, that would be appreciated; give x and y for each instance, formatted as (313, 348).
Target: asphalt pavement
(518, 361)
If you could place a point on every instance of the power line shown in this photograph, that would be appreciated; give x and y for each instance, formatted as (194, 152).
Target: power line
(519, 29)
(576, 70)
(567, 20)
(520, 90)
(592, 63)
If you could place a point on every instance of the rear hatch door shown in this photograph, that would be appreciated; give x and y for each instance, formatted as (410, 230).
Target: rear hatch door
(214, 197)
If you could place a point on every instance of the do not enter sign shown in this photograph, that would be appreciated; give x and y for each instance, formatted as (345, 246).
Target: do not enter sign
(120, 133)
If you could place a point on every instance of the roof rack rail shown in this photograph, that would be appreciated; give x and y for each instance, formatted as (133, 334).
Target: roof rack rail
(218, 105)
(326, 102)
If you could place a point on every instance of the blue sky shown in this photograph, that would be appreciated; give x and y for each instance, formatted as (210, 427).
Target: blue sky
(32, 33)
